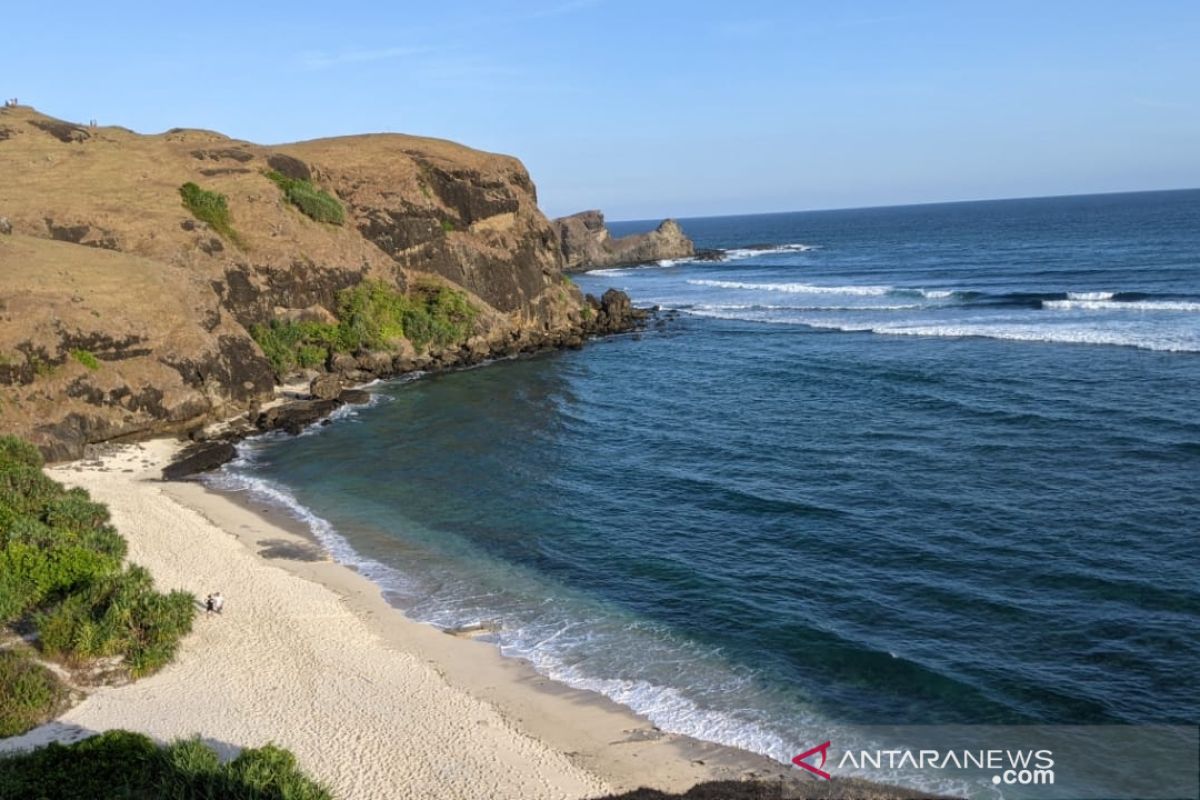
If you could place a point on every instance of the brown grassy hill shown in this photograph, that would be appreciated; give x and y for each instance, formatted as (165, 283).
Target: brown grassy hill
(105, 260)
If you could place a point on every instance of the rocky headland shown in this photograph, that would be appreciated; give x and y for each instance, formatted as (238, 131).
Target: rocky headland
(586, 243)
(132, 305)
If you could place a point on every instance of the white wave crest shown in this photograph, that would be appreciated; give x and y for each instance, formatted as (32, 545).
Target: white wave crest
(796, 288)
(739, 253)
(1089, 295)
(1060, 334)
(1117, 305)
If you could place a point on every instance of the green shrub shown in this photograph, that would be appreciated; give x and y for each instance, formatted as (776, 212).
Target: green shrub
(210, 207)
(372, 316)
(288, 344)
(121, 764)
(26, 489)
(30, 694)
(118, 614)
(19, 451)
(86, 358)
(447, 226)
(315, 203)
(61, 566)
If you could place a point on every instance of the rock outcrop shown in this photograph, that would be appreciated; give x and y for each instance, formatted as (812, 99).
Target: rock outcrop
(122, 315)
(586, 244)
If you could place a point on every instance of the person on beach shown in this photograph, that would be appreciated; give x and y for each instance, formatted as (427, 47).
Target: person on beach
(214, 603)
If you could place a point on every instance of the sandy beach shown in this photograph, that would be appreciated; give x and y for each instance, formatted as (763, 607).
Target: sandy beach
(307, 654)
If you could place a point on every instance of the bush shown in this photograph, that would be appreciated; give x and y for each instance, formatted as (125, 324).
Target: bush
(86, 358)
(210, 207)
(19, 451)
(372, 316)
(315, 203)
(118, 614)
(60, 566)
(129, 765)
(30, 694)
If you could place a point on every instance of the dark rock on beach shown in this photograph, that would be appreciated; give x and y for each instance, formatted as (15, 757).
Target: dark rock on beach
(325, 387)
(294, 417)
(199, 458)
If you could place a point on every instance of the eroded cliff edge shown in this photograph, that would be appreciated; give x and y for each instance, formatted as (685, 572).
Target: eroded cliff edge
(123, 315)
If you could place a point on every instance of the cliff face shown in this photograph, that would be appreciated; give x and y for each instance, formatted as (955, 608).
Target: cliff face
(121, 314)
(586, 244)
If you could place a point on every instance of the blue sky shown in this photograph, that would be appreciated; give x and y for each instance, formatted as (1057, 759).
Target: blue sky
(648, 109)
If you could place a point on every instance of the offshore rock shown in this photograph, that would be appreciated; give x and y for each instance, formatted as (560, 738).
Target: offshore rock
(586, 243)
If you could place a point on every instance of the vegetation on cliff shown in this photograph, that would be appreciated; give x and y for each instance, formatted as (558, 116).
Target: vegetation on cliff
(128, 765)
(314, 202)
(210, 207)
(371, 316)
(62, 578)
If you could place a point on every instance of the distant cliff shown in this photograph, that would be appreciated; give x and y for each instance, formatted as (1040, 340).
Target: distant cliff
(586, 243)
(129, 307)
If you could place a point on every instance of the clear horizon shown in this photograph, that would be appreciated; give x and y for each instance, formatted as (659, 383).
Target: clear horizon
(682, 110)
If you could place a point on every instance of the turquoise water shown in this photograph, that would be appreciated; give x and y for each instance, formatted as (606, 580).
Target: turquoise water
(909, 465)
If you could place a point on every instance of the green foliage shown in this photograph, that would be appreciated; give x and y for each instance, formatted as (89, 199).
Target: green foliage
(447, 226)
(288, 344)
(210, 207)
(372, 316)
(118, 614)
(61, 568)
(315, 203)
(86, 358)
(121, 764)
(30, 694)
(19, 451)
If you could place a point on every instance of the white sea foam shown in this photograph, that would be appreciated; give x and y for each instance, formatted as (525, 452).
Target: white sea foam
(740, 253)
(1089, 295)
(1117, 305)
(704, 309)
(796, 288)
(810, 288)
(1145, 340)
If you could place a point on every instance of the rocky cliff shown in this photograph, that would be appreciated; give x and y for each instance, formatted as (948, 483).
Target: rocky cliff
(586, 244)
(122, 314)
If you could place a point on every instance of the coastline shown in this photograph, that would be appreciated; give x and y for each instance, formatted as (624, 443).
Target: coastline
(386, 705)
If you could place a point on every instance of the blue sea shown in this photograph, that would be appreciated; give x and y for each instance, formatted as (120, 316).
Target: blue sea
(910, 465)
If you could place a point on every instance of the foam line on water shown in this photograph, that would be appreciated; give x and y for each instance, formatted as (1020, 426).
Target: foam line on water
(795, 288)
(1121, 305)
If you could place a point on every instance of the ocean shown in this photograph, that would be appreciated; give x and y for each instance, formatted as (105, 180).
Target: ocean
(912, 465)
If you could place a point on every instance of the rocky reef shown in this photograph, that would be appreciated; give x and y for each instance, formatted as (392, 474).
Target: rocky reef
(127, 312)
(586, 243)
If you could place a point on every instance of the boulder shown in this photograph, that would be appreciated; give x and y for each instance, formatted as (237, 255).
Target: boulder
(354, 397)
(199, 458)
(325, 387)
(294, 417)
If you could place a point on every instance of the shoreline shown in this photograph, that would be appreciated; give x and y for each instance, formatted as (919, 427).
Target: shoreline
(385, 705)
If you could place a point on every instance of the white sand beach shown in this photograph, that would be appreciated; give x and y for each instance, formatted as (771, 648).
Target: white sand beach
(308, 655)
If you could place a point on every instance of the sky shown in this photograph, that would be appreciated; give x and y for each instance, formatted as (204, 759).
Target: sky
(647, 109)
